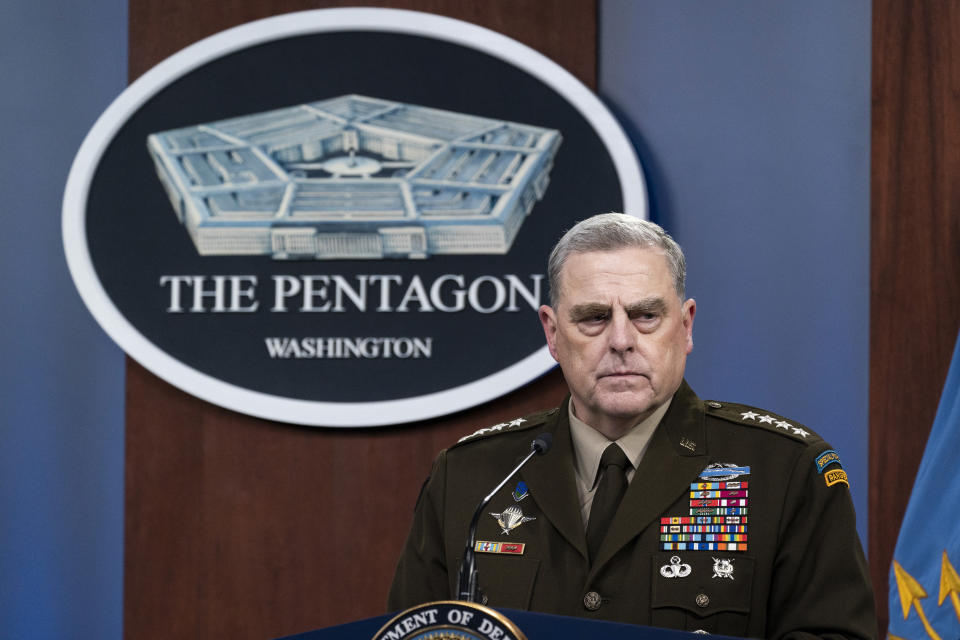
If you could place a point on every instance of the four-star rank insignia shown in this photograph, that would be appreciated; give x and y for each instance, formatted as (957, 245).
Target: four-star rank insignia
(775, 422)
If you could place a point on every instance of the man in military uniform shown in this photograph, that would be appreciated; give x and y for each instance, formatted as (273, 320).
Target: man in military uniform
(653, 507)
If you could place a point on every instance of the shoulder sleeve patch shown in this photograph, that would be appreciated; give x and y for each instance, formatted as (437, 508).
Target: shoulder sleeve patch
(753, 417)
(835, 476)
(828, 457)
(517, 424)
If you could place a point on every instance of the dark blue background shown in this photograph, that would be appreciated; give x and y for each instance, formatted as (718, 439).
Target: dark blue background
(751, 120)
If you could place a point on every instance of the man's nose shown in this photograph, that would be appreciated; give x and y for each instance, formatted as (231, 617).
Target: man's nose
(621, 333)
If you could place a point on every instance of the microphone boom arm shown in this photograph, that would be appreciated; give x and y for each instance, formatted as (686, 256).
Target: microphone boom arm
(467, 577)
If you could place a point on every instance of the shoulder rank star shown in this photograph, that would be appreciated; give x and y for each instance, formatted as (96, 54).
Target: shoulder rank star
(511, 518)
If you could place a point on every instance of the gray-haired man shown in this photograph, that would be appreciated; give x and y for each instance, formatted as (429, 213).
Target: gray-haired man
(653, 507)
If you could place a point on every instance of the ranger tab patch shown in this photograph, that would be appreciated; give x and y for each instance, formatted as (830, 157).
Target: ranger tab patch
(836, 476)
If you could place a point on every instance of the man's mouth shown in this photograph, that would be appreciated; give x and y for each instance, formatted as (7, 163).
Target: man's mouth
(620, 374)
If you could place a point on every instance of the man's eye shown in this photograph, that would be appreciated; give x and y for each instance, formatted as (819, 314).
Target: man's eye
(593, 324)
(596, 318)
(644, 316)
(646, 321)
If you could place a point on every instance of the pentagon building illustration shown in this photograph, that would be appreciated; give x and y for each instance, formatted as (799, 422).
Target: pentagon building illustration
(354, 177)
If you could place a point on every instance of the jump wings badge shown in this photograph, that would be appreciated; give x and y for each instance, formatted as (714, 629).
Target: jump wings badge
(676, 569)
(511, 518)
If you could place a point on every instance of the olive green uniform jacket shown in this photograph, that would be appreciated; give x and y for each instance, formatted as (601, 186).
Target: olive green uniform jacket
(802, 575)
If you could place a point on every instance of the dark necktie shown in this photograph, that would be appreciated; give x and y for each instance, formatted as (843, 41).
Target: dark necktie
(610, 489)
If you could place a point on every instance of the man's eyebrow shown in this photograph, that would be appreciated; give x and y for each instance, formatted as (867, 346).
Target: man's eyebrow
(647, 305)
(581, 312)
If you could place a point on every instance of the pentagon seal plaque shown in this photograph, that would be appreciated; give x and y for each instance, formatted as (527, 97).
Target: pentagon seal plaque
(340, 245)
(449, 620)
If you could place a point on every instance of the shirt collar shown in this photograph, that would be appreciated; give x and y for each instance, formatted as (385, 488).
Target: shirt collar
(588, 443)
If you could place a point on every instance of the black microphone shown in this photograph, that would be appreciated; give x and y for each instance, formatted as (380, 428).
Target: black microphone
(467, 576)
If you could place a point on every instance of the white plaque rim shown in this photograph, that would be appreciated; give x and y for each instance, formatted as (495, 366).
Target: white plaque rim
(290, 410)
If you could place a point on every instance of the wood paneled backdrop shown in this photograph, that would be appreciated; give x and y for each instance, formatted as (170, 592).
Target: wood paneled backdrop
(245, 528)
(915, 251)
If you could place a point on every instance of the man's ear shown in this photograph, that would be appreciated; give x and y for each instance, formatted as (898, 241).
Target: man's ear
(548, 319)
(688, 311)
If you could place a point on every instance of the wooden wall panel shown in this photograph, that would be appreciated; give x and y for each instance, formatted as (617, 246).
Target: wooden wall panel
(915, 250)
(563, 30)
(239, 527)
(243, 528)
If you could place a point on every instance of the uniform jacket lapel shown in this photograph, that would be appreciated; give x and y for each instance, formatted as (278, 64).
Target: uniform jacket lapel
(552, 482)
(664, 475)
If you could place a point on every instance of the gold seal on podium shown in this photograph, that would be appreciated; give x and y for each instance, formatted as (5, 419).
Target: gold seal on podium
(449, 620)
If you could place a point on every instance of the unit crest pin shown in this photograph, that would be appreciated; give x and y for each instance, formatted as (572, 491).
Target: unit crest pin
(521, 491)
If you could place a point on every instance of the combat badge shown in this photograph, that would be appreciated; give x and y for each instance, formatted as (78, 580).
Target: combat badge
(723, 471)
(511, 518)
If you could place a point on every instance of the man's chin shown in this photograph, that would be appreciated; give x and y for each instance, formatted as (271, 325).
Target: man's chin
(625, 404)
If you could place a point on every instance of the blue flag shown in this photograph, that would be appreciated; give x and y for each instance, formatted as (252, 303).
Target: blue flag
(924, 586)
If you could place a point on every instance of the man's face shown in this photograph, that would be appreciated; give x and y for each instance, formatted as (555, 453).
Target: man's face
(620, 334)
